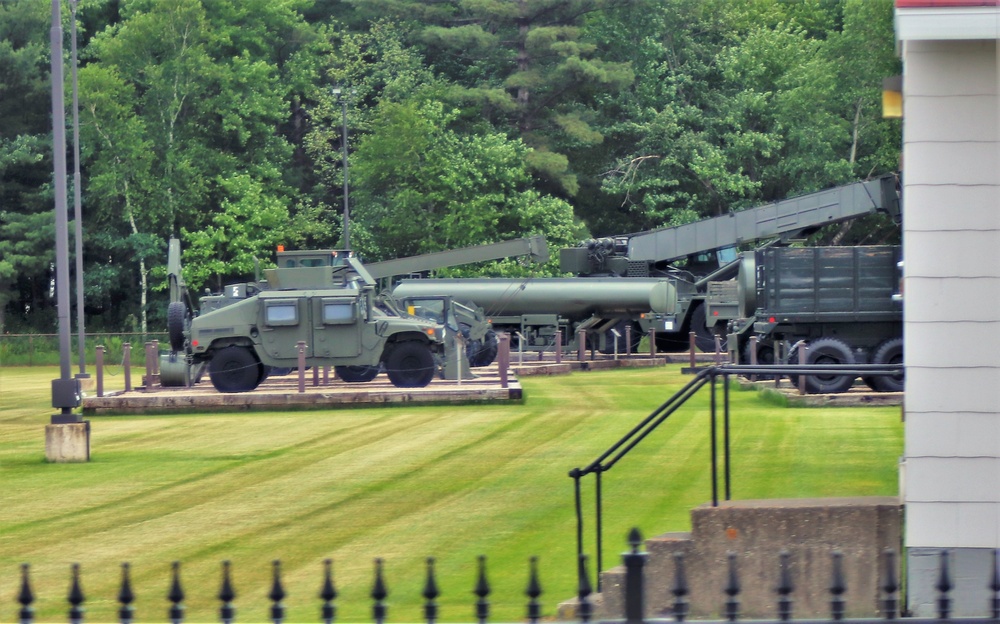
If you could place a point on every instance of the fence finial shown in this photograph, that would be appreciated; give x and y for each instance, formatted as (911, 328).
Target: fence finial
(227, 594)
(533, 591)
(379, 594)
(277, 594)
(944, 585)
(785, 588)
(732, 589)
(995, 586)
(76, 597)
(680, 589)
(25, 596)
(430, 593)
(176, 596)
(482, 592)
(635, 561)
(838, 586)
(328, 593)
(126, 597)
(890, 585)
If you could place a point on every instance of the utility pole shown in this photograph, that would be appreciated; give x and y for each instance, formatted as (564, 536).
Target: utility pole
(77, 210)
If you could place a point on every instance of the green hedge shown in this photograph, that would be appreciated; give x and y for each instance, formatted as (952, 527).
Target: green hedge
(43, 349)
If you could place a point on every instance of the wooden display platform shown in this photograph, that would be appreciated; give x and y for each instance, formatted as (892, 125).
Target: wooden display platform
(282, 392)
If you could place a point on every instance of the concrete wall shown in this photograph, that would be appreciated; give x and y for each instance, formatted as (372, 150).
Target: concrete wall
(757, 531)
(951, 196)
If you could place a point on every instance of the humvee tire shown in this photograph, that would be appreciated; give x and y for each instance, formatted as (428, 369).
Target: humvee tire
(356, 374)
(235, 369)
(410, 365)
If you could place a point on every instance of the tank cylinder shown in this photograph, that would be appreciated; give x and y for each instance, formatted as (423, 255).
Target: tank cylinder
(573, 297)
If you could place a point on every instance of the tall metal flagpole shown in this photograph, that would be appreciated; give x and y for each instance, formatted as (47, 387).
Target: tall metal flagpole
(65, 390)
(77, 211)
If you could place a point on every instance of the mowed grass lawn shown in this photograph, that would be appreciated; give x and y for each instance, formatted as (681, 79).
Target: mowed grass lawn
(400, 483)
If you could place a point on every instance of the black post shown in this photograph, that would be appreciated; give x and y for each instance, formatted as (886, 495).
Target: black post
(76, 597)
(725, 436)
(599, 521)
(126, 597)
(533, 591)
(176, 595)
(25, 597)
(379, 594)
(635, 561)
(482, 592)
(584, 608)
(226, 595)
(328, 593)
(715, 451)
(277, 594)
(575, 475)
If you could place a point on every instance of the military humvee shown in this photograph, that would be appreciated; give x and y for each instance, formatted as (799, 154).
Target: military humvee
(326, 300)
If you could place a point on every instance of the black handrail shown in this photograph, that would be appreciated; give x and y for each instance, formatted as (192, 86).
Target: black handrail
(703, 376)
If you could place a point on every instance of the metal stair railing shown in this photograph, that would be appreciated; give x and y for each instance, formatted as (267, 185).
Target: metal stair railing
(704, 376)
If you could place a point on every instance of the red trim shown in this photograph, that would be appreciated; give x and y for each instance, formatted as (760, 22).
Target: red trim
(907, 4)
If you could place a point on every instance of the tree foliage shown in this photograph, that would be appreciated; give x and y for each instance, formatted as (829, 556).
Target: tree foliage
(469, 121)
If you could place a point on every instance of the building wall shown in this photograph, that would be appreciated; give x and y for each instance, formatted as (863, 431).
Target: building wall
(951, 247)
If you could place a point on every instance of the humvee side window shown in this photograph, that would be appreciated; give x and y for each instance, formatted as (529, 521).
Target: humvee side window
(281, 313)
(338, 312)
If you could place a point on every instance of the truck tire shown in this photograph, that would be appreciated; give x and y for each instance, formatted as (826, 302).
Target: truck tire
(765, 356)
(888, 352)
(235, 369)
(828, 351)
(482, 353)
(176, 322)
(410, 365)
(356, 374)
(704, 337)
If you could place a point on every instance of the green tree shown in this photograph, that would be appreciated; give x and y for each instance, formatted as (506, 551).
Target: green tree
(26, 199)
(424, 187)
(191, 131)
(524, 65)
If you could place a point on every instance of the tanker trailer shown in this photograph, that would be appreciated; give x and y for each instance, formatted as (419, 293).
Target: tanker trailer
(535, 308)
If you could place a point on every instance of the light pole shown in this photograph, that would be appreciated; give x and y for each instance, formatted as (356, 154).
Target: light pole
(65, 390)
(347, 206)
(77, 217)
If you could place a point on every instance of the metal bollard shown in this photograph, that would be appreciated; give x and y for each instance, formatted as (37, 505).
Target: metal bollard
(628, 340)
(302, 365)
(753, 355)
(718, 349)
(691, 347)
(326, 375)
(148, 378)
(99, 364)
(503, 359)
(803, 354)
(127, 365)
(315, 376)
(156, 358)
(581, 345)
(559, 346)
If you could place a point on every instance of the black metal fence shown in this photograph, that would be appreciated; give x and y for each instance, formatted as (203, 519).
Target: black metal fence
(634, 591)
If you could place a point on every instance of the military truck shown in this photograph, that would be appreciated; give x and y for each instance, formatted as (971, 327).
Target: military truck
(842, 302)
(696, 255)
(325, 300)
